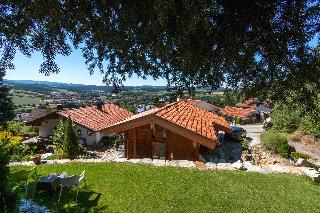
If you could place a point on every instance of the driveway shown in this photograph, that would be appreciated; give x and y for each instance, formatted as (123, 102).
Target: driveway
(253, 133)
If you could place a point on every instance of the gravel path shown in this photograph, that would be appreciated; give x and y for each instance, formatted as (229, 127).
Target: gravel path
(253, 133)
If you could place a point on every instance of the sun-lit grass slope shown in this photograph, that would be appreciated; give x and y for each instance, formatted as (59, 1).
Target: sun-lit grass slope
(116, 187)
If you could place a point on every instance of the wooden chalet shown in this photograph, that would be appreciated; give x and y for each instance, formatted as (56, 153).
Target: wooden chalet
(176, 131)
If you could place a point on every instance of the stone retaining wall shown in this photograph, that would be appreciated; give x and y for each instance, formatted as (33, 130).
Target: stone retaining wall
(244, 166)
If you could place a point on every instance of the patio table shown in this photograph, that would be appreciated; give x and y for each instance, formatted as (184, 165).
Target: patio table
(51, 183)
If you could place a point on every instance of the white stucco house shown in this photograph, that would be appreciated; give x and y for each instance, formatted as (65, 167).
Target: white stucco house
(89, 121)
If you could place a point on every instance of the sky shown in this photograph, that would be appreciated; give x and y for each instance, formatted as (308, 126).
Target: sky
(72, 70)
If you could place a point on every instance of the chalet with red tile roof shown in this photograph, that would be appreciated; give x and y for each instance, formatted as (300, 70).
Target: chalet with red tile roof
(247, 115)
(248, 103)
(89, 120)
(175, 131)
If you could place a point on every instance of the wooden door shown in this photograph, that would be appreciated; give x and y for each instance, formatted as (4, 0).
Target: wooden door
(144, 145)
(159, 150)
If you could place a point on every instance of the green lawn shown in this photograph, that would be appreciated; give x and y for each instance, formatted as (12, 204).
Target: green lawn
(116, 187)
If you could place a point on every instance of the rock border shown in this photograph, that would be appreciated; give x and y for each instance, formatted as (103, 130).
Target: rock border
(237, 166)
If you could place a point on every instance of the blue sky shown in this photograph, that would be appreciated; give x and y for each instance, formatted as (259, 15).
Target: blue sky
(72, 70)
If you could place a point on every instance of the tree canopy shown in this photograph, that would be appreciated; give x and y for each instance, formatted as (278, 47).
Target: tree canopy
(6, 105)
(254, 45)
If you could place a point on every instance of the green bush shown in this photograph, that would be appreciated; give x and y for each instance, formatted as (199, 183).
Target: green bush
(107, 140)
(276, 141)
(238, 120)
(297, 155)
(58, 153)
(58, 135)
(286, 118)
(310, 124)
(19, 128)
(245, 143)
(7, 199)
(117, 141)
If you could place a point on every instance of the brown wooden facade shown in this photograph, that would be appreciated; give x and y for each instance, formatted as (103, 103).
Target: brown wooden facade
(156, 142)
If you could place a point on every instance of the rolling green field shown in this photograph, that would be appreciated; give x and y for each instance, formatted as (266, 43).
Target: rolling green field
(114, 187)
(20, 97)
(26, 100)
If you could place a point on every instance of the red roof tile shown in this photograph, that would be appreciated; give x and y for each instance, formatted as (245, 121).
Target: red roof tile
(235, 111)
(95, 119)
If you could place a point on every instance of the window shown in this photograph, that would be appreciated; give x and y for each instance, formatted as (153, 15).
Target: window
(89, 133)
(164, 134)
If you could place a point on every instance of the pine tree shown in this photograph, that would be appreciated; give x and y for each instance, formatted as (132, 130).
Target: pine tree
(70, 143)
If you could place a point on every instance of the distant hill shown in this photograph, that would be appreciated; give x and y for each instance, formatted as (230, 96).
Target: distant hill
(51, 86)
(48, 83)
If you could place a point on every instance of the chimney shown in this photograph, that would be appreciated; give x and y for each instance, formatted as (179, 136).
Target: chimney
(99, 104)
(59, 107)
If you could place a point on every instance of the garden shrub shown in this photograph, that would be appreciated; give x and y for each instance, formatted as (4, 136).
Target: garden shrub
(277, 142)
(19, 128)
(58, 153)
(297, 155)
(310, 124)
(117, 141)
(245, 143)
(17, 151)
(108, 141)
(13, 141)
(7, 198)
(58, 135)
(286, 118)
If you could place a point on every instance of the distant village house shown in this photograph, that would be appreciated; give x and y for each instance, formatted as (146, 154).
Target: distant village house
(89, 121)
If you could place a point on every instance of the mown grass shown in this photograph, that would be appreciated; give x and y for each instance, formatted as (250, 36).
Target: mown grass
(116, 187)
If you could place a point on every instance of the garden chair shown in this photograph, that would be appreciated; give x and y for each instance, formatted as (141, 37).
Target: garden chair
(24, 176)
(62, 175)
(71, 181)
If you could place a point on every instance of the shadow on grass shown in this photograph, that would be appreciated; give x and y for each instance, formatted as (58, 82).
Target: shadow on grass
(87, 200)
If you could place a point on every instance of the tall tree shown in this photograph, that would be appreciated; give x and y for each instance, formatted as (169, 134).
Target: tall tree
(255, 45)
(6, 105)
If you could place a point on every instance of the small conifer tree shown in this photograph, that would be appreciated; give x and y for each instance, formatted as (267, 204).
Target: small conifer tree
(70, 143)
